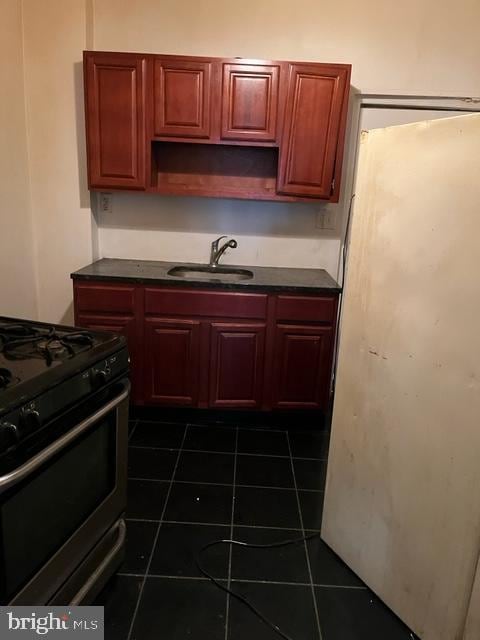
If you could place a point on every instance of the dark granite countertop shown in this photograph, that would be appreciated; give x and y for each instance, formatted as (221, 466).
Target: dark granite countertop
(156, 272)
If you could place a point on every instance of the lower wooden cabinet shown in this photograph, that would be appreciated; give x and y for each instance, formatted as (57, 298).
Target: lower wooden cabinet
(205, 348)
(236, 364)
(172, 361)
(302, 366)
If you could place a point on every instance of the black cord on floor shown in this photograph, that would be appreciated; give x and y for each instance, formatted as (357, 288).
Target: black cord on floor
(238, 596)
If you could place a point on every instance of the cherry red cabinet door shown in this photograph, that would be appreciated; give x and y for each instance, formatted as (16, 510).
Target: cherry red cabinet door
(115, 119)
(126, 326)
(182, 91)
(172, 361)
(302, 365)
(313, 130)
(236, 365)
(250, 102)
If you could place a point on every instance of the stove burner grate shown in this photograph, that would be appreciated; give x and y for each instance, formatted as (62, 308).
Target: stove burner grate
(20, 342)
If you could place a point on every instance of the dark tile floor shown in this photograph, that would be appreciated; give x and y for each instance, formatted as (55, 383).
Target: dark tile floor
(189, 485)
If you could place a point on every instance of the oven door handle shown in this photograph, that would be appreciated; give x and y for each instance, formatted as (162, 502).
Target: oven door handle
(79, 597)
(22, 472)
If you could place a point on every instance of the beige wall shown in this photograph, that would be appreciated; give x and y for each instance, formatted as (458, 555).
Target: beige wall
(421, 47)
(17, 280)
(55, 33)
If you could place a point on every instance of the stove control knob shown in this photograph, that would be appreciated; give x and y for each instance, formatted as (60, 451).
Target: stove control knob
(8, 435)
(100, 377)
(30, 421)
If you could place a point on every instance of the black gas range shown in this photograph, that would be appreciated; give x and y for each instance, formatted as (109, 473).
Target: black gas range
(63, 442)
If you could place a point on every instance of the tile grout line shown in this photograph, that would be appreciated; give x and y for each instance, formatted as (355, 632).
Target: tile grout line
(226, 427)
(218, 524)
(214, 425)
(225, 484)
(305, 543)
(161, 576)
(301, 584)
(147, 569)
(230, 552)
(225, 453)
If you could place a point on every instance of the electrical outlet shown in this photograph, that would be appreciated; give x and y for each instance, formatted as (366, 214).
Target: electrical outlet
(326, 220)
(105, 202)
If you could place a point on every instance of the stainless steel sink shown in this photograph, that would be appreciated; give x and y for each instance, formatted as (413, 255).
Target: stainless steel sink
(225, 274)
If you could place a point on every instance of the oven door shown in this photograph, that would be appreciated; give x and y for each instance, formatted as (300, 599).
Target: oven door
(55, 507)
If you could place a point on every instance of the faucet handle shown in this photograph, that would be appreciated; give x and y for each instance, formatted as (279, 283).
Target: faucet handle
(215, 242)
(214, 249)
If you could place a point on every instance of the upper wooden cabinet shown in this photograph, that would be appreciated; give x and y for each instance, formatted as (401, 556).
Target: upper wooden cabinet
(115, 95)
(313, 129)
(182, 90)
(238, 128)
(250, 102)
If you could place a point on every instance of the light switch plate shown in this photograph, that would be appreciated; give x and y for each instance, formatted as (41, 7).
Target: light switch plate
(326, 220)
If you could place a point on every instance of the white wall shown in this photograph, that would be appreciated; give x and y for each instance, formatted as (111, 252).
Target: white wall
(17, 278)
(371, 118)
(162, 228)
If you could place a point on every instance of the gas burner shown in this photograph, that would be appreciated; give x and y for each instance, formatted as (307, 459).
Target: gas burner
(22, 342)
(6, 378)
(51, 348)
(53, 343)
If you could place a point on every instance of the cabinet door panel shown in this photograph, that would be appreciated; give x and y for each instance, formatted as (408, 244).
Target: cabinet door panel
(313, 121)
(250, 102)
(302, 366)
(171, 361)
(115, 118)
(236, 368)
(125, 326)
(182, 98)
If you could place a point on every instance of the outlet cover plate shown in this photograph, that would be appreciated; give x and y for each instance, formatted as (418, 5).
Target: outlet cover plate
(105, 203)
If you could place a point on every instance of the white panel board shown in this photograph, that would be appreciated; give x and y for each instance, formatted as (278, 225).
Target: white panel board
(402, 506)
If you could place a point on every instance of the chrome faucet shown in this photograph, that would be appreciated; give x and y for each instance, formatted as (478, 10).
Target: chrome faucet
(216, 253)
